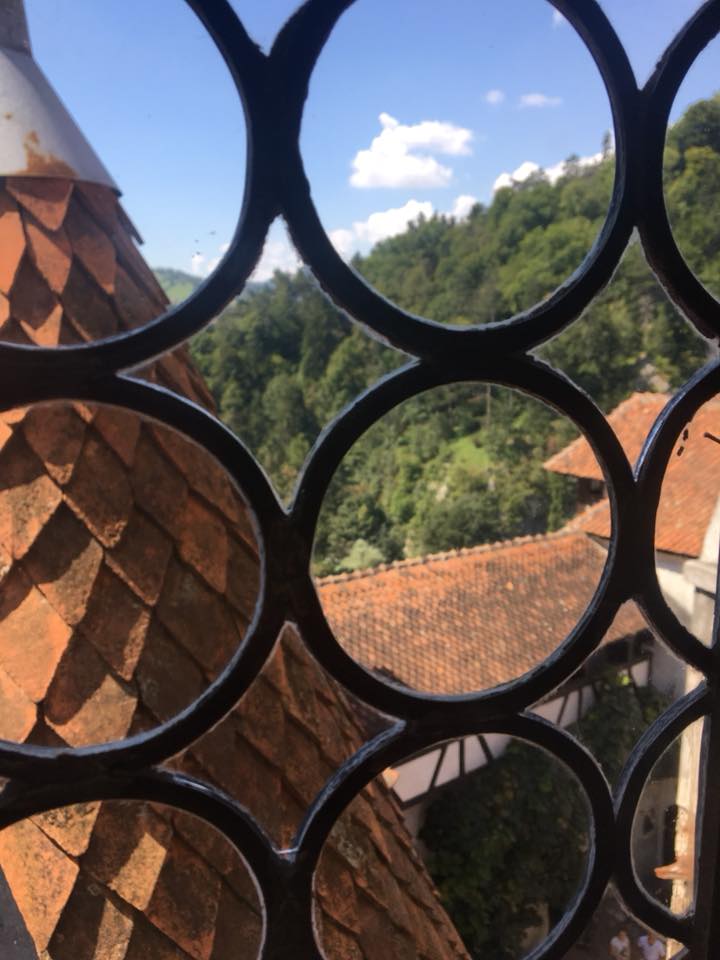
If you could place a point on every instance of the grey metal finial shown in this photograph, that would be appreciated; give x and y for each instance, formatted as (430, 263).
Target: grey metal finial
(13, 26)
(38, 136)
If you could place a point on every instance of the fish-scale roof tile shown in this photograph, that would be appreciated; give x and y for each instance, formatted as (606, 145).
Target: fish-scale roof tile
(114, 615)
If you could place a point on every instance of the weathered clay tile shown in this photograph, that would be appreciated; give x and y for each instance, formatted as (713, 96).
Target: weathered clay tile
(46, 198)
(264, 722)
(337, 943)
(33, 637)
(99, 491)
(158, 486)
(64, 562)
(238, 928)
(85, 703)
(162, 658)
(102, 204)
(120, 430)
(17, 711)
(336, 888)
(40, 876)
(149, 942)
(128, 860)
(203, 543)
(206, 841)
(243, 579)
(51, 253)
(87, 306)
(116, 623)
(197, 618)
(92, 927)
(92, 247)
(33, 303)
(203, 474)
(28, 496)
(12, 242)
(131, 303)
(141, 557)
(70, 827)
(185, 901)
(55, 432)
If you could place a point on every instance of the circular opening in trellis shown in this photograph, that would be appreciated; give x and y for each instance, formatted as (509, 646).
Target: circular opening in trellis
(692, 168)
(687, 525)
(74, 267)
(453, 551)
(130, 571)
(663, 836)
(612, 922)
(281, 363)
(503, 829)
(127, 879)
(615, 696)
(473, 171)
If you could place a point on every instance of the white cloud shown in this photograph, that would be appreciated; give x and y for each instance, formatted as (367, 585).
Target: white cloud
(394, 158)
(539, 100)
(364, 234)
(519, 175)
(197, 264)
(201, 264)
(222, 250)
(463, 205)
(278, 254)
(558, 19)
(494, 97)
(552, 174)
(388, 223)
(344, 242)
(380, 225)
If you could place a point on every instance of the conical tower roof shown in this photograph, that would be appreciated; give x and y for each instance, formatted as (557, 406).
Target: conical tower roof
(38, 137)
(121, 549)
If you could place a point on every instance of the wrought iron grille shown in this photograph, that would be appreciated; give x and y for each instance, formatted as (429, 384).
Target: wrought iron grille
(273, 90)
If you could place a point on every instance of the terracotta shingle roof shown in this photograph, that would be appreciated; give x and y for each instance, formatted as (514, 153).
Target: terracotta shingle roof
(469, 619)
(631, 420)
(692, 480)
(129, 574)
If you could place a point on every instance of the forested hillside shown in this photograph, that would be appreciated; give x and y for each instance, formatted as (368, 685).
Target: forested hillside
(463, 466)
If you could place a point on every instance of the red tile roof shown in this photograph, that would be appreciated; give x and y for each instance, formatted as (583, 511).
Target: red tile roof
(469, 619)
(631, 420)
(115, 614)
(692, 481)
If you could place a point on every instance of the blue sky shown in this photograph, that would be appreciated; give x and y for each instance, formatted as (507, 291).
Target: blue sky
(415, 106)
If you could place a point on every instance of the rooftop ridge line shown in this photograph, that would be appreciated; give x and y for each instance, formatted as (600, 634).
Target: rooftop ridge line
(480, 548)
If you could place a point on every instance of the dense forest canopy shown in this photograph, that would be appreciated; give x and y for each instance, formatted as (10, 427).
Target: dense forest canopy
(461, 466)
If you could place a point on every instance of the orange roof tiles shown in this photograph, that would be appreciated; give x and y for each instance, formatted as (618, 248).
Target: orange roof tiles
(631, 420)
(469, 619)
(115, 614)
(692, 480)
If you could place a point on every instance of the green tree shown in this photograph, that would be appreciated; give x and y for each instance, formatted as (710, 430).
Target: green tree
(513, 836)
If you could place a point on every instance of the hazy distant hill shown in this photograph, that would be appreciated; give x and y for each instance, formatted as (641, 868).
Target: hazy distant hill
(177, 284)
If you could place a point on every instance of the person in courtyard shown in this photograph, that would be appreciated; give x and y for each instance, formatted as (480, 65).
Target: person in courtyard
(620, 945)
(651, 947)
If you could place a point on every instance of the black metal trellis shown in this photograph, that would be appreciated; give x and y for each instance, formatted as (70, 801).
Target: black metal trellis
(273, 89)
